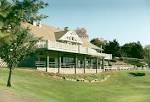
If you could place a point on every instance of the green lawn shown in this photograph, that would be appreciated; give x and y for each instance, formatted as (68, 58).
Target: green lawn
(120, 87)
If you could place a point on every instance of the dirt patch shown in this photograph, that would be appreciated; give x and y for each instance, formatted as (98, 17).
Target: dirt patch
(7, 96)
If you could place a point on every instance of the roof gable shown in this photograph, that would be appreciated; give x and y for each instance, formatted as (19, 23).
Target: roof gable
(71, 36)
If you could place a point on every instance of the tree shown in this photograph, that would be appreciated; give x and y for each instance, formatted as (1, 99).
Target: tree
(20, 42)
(132, 50)
(82, 32)
(4, 10)
(112, 47)
(23, 11)
(147, 54)
(15, 51)
(99, 42)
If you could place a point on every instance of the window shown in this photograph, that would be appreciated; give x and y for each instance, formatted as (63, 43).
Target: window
(68, 38)
(73, 38)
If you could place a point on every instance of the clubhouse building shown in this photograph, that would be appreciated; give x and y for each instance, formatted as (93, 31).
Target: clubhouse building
(66, 51)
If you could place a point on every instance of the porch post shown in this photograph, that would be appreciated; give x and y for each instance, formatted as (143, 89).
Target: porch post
(102, 63)
(59, 63)
(37, 62)
(76, 64)
(91, 63)
(100, 67)
(108, 63)
(47, 62)
(84, 63)
(96, 64)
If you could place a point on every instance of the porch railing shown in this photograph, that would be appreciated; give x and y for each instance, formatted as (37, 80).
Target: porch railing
(40, 63)
(58, 46)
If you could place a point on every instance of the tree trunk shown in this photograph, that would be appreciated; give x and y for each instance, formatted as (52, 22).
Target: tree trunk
(9, 77)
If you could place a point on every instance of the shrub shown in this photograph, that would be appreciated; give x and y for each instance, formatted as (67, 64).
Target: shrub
(137, 74)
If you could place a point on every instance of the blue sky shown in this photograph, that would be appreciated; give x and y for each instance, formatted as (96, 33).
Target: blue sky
(124, 20)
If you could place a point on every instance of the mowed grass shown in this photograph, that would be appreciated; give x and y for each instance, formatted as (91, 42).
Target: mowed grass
(120, 87)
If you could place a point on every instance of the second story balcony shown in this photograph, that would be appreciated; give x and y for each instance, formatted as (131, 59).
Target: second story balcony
(65, 47)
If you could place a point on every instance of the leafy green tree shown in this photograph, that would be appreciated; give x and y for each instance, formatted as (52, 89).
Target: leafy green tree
(15, 51)
(113, 47)
(20, 42)
(133, 50)
(98, 42)
(4, 10)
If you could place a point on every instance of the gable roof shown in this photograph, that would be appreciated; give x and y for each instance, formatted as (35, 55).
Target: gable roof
(53, 34)
(45, 32)
(71, 36)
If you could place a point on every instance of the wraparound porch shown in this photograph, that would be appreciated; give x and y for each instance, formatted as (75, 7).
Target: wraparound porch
(69, 63)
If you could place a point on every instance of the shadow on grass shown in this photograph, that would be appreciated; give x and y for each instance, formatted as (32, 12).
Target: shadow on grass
(137, 74)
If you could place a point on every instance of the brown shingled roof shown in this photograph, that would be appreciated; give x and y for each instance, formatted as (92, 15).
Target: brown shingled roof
(46, 32)
(94, 46)
(85, 42)
(59, 34)
(52, 33)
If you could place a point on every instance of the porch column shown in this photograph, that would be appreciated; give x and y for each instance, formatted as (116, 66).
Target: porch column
(47, 63)
(108, 63)
(102, 63)
(38, 61)
(76, 64)
(38, 58)
(96, 64)
(84, 63)
(59, 63)
(100, 66)
(91, 63)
